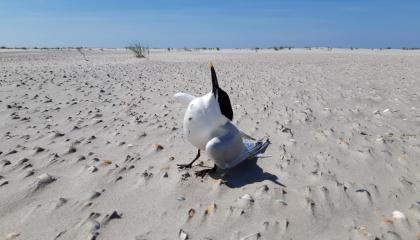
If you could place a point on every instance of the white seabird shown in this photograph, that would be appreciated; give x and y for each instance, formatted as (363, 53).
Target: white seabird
(207, 125)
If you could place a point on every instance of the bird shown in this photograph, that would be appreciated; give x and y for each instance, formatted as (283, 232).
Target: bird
(208, 126)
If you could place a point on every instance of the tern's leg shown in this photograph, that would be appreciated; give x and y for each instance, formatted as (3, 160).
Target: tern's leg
(189, 165)
(204, 172)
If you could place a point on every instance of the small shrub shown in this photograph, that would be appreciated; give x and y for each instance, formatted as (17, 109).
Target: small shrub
(138, 49)
(280, 48)
(408, 48)
(80, 50)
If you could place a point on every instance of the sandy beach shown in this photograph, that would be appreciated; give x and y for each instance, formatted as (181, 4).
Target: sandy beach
(90, 139)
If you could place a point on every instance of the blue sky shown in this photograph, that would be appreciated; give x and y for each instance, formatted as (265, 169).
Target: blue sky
(213, 23)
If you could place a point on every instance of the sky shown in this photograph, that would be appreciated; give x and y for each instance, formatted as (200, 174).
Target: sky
(210, 23)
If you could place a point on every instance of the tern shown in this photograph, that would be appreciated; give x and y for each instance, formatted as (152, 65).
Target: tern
(208, 126)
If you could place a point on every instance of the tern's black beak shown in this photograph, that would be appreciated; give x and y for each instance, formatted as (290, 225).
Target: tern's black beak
(221, 96)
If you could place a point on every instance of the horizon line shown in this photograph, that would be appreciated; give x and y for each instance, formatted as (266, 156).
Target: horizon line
(279, 47)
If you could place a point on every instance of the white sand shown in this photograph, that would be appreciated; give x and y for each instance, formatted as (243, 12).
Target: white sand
(344, 127)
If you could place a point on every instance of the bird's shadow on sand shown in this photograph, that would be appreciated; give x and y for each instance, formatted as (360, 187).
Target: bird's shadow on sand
(245, 173)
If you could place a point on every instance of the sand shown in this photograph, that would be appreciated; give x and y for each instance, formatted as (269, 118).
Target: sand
(89, 145)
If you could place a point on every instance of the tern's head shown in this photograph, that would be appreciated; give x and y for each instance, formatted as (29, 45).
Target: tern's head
(221, 96)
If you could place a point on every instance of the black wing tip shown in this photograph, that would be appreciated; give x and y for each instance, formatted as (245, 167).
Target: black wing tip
(225, 105)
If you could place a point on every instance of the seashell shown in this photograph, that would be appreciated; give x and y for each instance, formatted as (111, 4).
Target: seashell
(157, 147)
(92, 169)
(247, 197)
(183, 235)
(13, 235)
(219, 182)
(87, 204)
(181, 198)
(245, 201)
(106, 162)
(191, 213)
(210, 209)
(386, 221)
(398, 215)
(254, 236)
(45, 179)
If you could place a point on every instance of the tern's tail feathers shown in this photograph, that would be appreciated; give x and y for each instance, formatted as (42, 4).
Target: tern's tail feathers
(184, 98)
(256, 148)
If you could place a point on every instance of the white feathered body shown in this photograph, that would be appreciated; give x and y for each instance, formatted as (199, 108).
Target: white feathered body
(202, 120)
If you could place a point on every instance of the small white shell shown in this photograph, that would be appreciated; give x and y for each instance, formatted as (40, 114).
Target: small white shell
(245, 201)
(92, 169)
(45, 178)
(398, 215)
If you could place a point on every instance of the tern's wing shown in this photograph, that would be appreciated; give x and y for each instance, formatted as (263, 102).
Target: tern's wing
(251, 149)
(184, 98)
(225, 147)
(254, 148)
(246, 136)
(243, 134)
(232, 148)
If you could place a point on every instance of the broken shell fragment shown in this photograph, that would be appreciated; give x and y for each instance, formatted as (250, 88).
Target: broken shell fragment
(157, 147)
(191, 213)
(398, 215)
(210, 209)
(386, 221)
(106, 162)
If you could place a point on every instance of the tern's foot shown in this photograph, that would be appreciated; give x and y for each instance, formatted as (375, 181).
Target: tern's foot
(184, 166)
(189, 165)
(202, 173)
